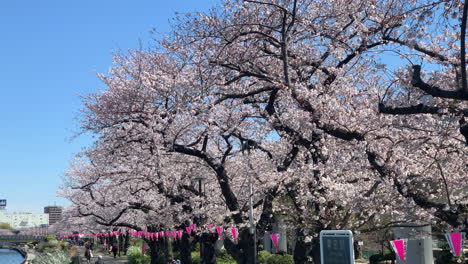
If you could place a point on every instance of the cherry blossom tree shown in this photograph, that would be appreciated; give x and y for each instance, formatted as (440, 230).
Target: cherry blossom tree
(295, 94)
(430, 110)
(302, 68)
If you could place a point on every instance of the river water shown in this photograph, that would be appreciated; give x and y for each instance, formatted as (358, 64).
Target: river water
(8, 256)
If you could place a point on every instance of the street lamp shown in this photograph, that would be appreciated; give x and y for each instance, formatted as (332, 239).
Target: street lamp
(199, 182)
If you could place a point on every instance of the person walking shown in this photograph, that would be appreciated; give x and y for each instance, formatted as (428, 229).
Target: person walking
(115, 250)
(87, 254)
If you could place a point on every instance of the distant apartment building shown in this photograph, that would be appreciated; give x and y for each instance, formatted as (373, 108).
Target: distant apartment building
(54, 212)
(24, 220)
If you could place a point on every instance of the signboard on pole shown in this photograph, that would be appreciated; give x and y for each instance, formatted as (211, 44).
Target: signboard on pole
(3, 203)
(336, 247)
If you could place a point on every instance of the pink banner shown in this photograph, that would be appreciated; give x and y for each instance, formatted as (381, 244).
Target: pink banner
(399, 246)
(193, 227)
(234, 234)
(189, 230)
(220, 232)
(179, 234)
(274, 238)
(455, 241)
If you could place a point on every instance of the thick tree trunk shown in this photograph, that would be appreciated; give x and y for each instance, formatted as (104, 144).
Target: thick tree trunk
(126, 243)
(209, 252)
(300, 249)
(153, 247)
(315, 252)
(242, 252)
(185, 249)
(168, 254)
(357, 250)
(121, 245)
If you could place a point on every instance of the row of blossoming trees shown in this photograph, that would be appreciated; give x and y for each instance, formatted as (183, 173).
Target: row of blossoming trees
(341, 112)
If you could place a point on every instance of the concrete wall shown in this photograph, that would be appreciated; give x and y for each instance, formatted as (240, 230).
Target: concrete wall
(419, 247)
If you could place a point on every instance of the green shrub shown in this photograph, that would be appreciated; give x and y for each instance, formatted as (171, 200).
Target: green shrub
(63, 246)
(224, 257)
(139, 259)
(226, 262)
(39, 248)
(50, 238)
(445, 256)
(135, 257)
(280, 259)
(375, 259)
(263, 256)
(134, 251)
(48, 249)
(52, 258)
(196, 257)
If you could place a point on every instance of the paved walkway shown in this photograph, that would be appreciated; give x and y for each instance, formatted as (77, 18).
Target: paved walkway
(108, 259)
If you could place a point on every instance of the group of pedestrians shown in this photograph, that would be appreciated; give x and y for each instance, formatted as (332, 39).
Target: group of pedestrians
(88, 254)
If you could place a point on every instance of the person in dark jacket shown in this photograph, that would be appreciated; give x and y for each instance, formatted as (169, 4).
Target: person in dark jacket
(87, 255)
(115, 250)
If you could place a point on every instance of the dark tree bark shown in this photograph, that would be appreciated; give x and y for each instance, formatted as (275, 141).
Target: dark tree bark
(242, 252)
(357, 250)
(126, 243)
(153, 247)
(315, 252)
(300, 249)
(121, 245)
(185, 248)
(209, 252)
(168, 254)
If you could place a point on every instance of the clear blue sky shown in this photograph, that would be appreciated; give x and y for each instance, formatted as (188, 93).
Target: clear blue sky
(50, 52)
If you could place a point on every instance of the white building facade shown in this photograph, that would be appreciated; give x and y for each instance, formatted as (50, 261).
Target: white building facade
(24, 220)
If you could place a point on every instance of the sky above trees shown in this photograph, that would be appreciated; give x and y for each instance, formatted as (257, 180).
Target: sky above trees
(51, 52)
